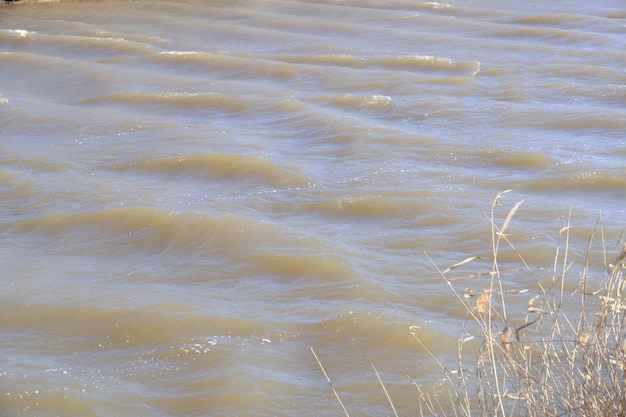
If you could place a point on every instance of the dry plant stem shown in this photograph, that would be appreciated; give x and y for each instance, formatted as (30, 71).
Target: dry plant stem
(461, 401)
(496, 236)
(491, 384)
(385, 391)
(567, 230)
(496, 279)
(462, 392)
(330, 383)
(433, 406)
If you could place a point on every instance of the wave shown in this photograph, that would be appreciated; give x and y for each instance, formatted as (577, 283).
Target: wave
(17, 36)
(164, 323)
(217, 165)
(16, 185)
(252, 67)
(519, 160)
(370, 206)
(374, 102)
(181, 100)
(144, 230)
(433, 7)
(293, 266)
(288, 67)
(270, 110)
(564, 35)
(515, 160)
(33, 61)
(39, 163)
(398, 62)
(119, 221)
(552, 19)
(586, 181)
(427, 62)
(602, 121)
(113, 45)
(612, 94)
(369, 327)
(336, 60)
(579, 22)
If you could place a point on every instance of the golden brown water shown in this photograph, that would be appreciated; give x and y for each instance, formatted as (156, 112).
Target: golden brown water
(194, 193)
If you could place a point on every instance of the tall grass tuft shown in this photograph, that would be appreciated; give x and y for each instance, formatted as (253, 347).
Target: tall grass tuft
(566, 356)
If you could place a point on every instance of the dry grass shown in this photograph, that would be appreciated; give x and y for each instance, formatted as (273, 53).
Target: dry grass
(563, 355)
(567, 358)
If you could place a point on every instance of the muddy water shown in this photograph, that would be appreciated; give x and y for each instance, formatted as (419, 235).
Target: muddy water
(195, 193)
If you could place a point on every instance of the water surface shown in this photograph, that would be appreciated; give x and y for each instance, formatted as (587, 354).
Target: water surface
(194, 193)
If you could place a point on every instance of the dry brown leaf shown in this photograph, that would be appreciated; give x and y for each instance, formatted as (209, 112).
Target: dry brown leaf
(522, 327)
(482, 303)
(586, 336)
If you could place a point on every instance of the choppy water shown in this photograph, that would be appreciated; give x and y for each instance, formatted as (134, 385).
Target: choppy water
(194, 193)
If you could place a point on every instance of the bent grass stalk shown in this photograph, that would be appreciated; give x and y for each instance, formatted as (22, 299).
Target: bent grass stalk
(395, 413)
(330, 383)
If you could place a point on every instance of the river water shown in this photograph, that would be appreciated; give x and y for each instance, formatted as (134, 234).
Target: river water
(195, 193)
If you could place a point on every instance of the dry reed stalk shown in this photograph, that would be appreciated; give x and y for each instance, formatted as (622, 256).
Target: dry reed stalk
(385, 391)
(330, 382)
